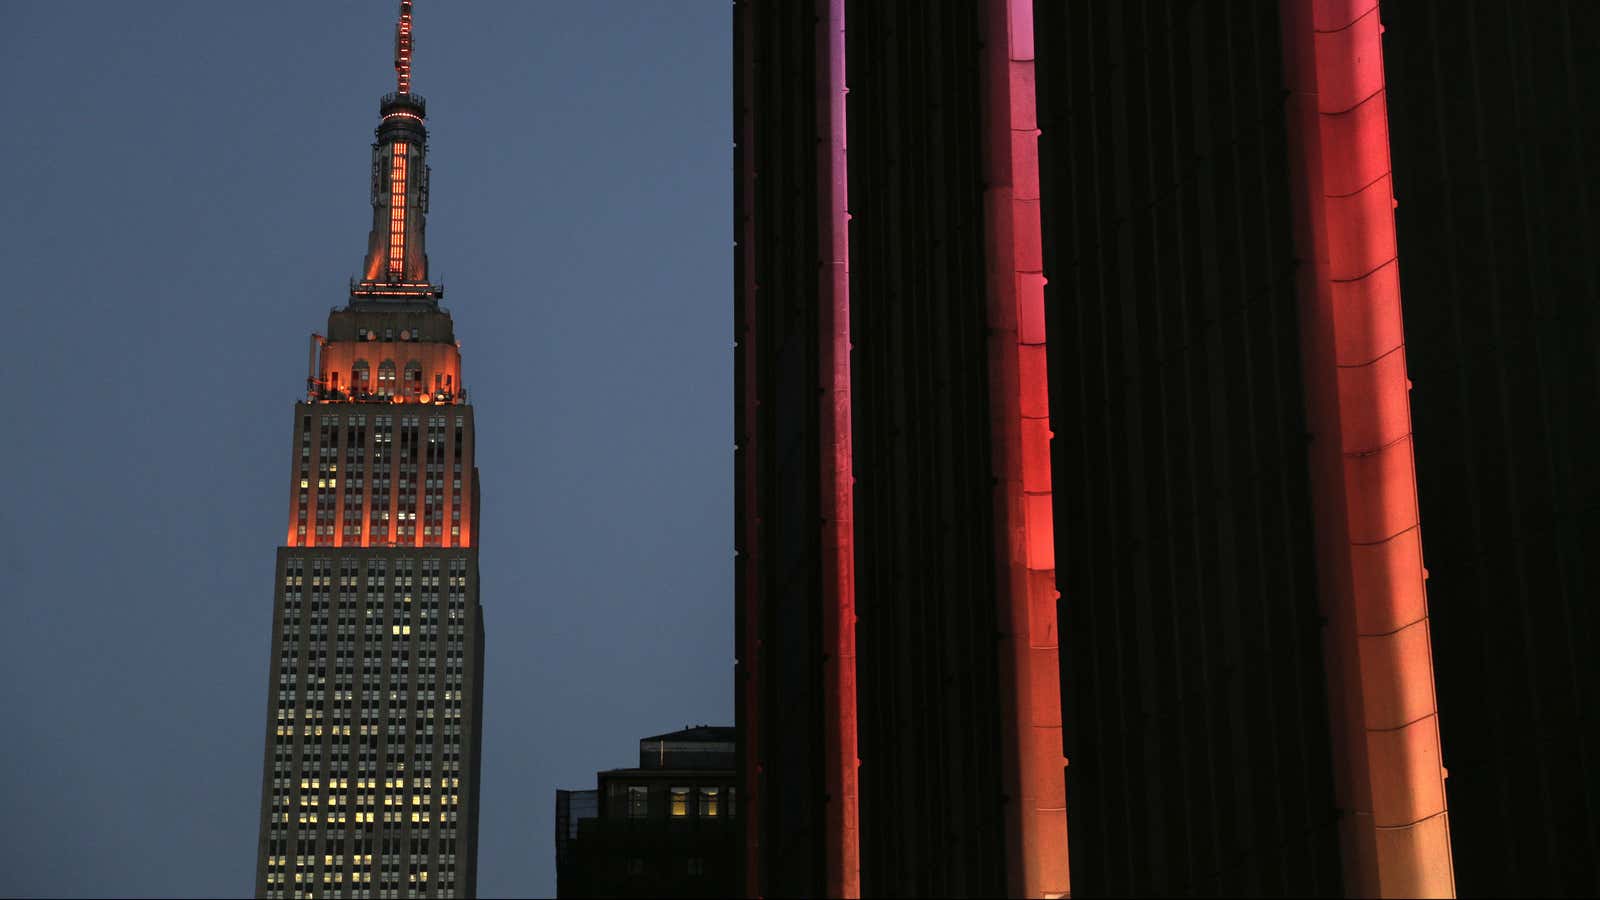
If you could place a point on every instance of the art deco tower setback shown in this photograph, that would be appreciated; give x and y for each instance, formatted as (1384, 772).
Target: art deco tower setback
(370, 775)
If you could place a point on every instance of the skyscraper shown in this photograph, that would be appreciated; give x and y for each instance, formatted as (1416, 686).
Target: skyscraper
(370, 775)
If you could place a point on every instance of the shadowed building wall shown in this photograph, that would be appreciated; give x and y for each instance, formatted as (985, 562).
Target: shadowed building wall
(1192, 675)
(778, 569)
(926, 633)
(1492, 122)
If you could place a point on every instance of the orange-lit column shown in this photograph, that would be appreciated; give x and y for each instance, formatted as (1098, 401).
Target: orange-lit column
(368, 471)
(1389, 778)
(837, 479)
(396, 468)
(341, 477)
(294, 538)
(1036, 820)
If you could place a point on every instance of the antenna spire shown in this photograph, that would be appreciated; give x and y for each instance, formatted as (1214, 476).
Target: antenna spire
(402, 47)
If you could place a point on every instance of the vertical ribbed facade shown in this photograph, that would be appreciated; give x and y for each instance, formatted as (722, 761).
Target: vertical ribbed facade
(778, 261)
(1320, 301)
(1192, 675)
(927, 634)
(890, 456)
(1493, 111)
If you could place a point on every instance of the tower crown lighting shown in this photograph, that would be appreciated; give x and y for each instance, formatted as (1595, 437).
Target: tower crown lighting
(396, 264)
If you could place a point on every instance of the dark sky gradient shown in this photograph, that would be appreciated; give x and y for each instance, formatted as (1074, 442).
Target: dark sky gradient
(185, 198)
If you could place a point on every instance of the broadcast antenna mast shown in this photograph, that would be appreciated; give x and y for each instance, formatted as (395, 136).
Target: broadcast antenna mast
(402, 47)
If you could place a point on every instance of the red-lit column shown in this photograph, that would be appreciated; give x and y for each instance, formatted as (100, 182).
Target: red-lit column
(837, 479)
(1389, 775)
(1031, 710)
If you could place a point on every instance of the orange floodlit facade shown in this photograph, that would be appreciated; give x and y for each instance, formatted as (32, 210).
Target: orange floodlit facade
(398, 372)
(379, 371)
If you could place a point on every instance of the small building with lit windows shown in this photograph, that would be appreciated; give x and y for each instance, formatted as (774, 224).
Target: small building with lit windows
(665, 829)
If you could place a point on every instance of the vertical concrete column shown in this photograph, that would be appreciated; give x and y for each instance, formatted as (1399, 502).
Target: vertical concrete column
(837, 479)
(1390, 779)
(1019, 400)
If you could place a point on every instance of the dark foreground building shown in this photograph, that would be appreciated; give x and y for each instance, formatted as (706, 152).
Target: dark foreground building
(370, 777)
(1306, 647)
(897, 682)
(665, 829)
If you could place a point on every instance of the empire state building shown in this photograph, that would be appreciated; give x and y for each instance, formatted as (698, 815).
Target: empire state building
(370, 775)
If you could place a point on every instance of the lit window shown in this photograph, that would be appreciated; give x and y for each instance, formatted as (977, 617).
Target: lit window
(680, 802)
(708, 801)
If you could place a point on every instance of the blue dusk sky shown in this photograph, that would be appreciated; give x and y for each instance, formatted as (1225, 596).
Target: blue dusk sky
(186, 196)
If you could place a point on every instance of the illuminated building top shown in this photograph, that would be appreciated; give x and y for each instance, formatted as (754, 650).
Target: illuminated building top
(396, 264)
(386, 432)
(393, 343)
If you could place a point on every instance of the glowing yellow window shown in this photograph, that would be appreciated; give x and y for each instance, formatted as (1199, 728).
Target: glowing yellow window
(680, 802)
(708, 802)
